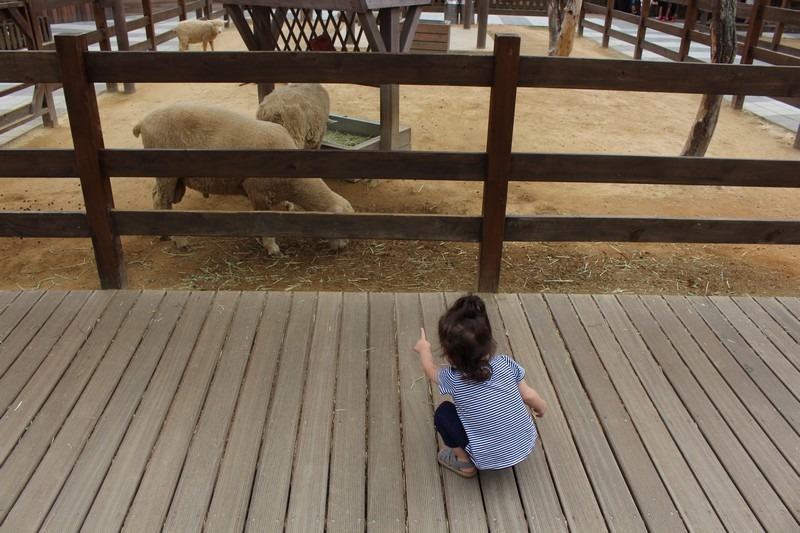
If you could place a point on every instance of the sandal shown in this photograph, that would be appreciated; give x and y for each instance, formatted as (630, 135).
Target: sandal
(449, 460)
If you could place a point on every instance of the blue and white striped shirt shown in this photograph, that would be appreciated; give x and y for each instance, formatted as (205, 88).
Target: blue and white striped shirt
(499, 426)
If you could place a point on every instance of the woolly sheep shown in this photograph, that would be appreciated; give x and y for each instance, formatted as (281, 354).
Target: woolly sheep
(198, 31)
(301, 108)
(186, 126)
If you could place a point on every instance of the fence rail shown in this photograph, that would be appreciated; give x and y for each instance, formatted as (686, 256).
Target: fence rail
(693, 29)
(504, 73)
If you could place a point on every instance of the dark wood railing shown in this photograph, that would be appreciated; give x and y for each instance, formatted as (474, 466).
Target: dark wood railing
(694, 28)
(504, 72)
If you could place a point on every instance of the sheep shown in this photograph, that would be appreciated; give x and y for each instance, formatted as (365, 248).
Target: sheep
(187, 126)
(198, 31)
(301, 108)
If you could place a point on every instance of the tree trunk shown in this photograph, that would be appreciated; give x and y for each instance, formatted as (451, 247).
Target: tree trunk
(562, 18)
(723, 50)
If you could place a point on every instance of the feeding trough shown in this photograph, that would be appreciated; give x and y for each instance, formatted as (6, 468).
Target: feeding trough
(348, 133)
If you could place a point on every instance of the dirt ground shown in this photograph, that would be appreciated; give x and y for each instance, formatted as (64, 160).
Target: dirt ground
(442, 119)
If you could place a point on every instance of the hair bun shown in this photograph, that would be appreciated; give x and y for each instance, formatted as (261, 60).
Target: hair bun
(473, 306)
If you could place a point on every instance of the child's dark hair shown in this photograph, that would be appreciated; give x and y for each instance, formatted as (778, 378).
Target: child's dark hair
(466, 337)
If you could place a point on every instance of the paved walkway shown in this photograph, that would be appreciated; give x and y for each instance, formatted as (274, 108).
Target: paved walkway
(462, 40)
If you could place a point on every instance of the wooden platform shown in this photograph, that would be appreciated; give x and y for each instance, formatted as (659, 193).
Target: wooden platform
(308, 412)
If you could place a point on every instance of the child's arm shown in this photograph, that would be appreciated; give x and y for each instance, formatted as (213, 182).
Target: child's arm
(532, 399)
(423, 348)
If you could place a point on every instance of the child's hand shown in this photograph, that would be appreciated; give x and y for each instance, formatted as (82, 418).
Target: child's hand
(422, 344)
(540, 409)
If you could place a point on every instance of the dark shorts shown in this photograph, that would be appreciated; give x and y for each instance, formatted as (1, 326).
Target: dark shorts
(449, 426)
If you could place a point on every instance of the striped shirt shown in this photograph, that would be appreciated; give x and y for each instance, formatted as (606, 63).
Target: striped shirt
(499, 426)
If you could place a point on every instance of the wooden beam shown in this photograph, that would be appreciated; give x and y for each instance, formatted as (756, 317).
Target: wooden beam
(87, 138)
(502, 103)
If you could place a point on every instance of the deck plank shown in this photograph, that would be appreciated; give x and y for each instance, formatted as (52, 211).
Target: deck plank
(781, 474)
(271, 488)
(611, 488)
(743, 453)
(231, 499)
(569, 475)
(704, 463)
(193, 493)
(31, 393)
(70, 508)
(346, 501)
(32, 437)
(39, 466)
(151, 503)
(504, 509)
(773, 330)
(15, 311)
(426, 510)
(537, 489)
(754, 400)
(55, 335)
(687, 494)
(652, 499)
(757, 369)
(306, 512)
(465, 497)
(119, 486)
(780, 314)
(154, 410)
(767, 340)
(23, 325)
(385, 484)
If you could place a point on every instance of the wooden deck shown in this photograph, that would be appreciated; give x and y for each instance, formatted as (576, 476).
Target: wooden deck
(308, 412)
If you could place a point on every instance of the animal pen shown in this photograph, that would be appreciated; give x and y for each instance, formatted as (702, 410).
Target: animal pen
(77, 69)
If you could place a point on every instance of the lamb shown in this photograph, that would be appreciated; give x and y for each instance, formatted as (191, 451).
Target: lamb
(198, 31)
(186, 126)
(301, 108)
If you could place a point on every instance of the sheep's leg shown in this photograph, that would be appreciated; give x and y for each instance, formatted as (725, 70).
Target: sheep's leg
(167, 191)
(260, 202)
(183, 45)
(205, 46)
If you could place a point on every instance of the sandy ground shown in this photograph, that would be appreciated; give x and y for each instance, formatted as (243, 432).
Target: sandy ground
(442, 119)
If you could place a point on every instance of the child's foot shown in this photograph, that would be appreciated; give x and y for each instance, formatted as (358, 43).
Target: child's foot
(447, 458)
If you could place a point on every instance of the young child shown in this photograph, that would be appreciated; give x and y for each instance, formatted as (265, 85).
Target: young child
(487, 426)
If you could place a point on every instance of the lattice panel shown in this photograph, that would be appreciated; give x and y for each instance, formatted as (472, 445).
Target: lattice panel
(319, 30)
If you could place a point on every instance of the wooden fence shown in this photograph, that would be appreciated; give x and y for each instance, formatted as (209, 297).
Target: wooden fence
(694, 28)
(22, 32)
(504, 72)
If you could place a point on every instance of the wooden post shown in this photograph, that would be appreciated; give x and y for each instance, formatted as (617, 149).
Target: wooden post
(777, 35)
(149, 28)
(502, 103)
(607, 23)
(87, 138)
(121, 32)
(688, 25)
(641, 30)
(754, 28)
(389, 20)
(483, 23)
(105, 42)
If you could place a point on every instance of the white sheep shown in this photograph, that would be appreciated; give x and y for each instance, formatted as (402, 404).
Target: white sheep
(198, 31)
(186, 126)
(301, 108)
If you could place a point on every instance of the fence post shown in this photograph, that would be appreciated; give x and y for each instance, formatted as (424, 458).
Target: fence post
(607, 22)
(689, 22)
(502, 103)
(87, 139)
(754, 28)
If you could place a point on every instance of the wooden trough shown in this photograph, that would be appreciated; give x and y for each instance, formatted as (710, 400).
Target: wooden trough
(358, 129)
